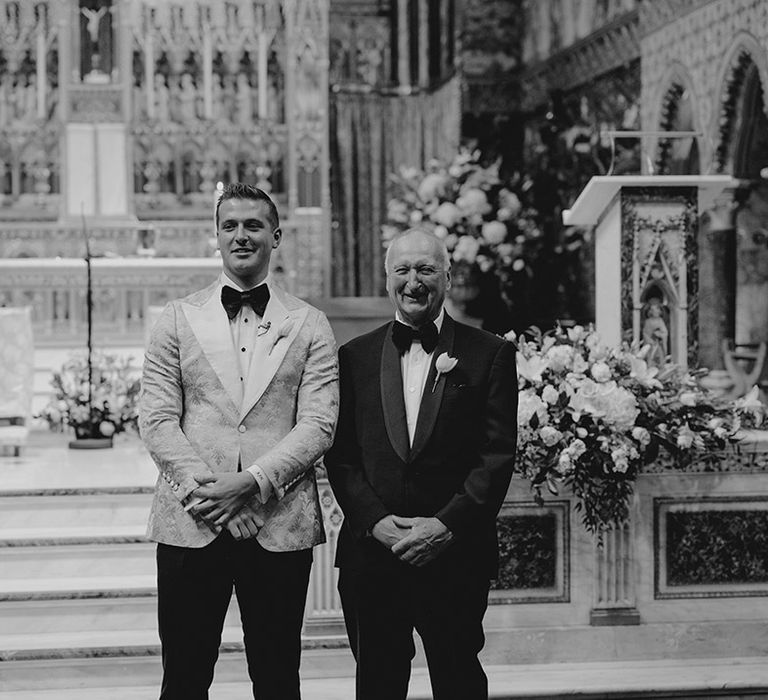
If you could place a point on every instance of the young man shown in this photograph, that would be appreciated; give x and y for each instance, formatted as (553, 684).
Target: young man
(239, 400)
(420, 465)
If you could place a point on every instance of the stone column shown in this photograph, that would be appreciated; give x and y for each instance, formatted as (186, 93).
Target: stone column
(614, 599)
(717, 279)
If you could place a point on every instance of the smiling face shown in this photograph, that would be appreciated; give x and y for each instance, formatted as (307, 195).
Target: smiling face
(246, 240)
(417, 276)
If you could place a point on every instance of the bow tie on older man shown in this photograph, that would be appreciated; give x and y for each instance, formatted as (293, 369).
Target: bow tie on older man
(403, 336)
(232, 300)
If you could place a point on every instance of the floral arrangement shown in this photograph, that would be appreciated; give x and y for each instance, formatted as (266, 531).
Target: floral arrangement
(590, 417)
(490, 226)
(483, 221)
(113, 396)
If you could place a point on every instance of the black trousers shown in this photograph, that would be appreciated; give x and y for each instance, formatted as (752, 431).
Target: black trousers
(383, 604)
(194, 588)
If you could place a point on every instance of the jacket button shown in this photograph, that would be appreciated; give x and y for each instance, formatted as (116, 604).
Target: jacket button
(241, 428)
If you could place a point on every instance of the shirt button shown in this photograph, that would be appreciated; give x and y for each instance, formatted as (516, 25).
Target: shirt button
(241, 428)
(411, 389)
(242, 349)
(245, 320)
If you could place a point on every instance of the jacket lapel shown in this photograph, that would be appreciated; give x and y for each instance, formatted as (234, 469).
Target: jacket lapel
(271, 348)
(392, 401)
(210, 325)
(431, 400)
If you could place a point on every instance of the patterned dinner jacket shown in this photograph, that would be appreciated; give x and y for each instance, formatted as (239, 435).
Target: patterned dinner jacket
(197, 417)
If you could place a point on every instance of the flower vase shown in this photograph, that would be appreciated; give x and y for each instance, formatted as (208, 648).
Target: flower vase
(98, 443)
(85, 440)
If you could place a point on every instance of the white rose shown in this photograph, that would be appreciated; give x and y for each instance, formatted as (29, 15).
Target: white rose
(550, 436)
(447, 214)
(440, 231)
(529, 404)
(432, 186)
(641, 435)
(494, 232)
(466, 249)
(550, 394)
(473, 202)
(601, 372)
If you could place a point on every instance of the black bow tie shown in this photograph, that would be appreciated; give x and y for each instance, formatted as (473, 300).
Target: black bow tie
(232, 300)
(403, 336)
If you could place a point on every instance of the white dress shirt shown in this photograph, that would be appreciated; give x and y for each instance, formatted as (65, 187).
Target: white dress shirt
(247, 332)
(414, 364)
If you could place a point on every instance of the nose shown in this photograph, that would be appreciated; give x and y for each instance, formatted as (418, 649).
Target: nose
(413, 277)
(240, 233)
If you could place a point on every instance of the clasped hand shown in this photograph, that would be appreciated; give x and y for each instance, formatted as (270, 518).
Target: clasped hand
(416, 541)
(220, 501)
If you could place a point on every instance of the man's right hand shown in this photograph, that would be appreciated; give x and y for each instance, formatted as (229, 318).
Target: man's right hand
(245, 524)
(388, 533)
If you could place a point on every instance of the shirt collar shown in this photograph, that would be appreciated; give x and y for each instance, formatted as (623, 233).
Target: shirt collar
(438, 321)
(225, 280)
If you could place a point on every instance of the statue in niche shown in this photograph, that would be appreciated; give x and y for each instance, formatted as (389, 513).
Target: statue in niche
(244, 102)
(162, 99)
(5, 115)
(655, 332)
(96, 41)
(29, 99)
(186, 99)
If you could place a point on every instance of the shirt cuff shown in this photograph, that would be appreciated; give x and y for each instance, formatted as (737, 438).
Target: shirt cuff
(263, 482)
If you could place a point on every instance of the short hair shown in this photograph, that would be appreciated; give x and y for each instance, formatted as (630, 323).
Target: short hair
(239, 190)
(439, 242)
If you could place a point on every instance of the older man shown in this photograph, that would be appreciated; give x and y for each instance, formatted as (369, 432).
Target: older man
(421, 463)
(239, 400)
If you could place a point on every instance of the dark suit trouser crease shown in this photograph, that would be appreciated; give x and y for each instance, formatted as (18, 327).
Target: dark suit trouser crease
(382, 607)
(194, 590)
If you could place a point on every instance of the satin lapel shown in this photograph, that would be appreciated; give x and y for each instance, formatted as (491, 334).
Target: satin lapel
(392, 401)
(431, 400)
(271, 348)
(210, 325)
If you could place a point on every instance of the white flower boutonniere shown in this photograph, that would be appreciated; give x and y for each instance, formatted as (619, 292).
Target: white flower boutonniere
(444, 364)
(285, 330)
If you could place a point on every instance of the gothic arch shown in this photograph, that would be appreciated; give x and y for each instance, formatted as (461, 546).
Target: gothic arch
(742, 85)
(678, 110)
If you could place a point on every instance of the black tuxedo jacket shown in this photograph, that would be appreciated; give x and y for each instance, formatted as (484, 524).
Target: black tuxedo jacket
(460, 464)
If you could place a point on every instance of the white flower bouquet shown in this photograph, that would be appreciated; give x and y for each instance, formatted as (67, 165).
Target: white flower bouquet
(590, 417)
(113, 397)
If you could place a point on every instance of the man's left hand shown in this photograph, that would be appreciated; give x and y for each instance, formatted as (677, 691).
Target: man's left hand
(223, 495)
(427, 539)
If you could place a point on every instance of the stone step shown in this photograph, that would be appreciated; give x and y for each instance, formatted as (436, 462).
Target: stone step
(95, 605)
(48, 562)
(126, 674)
(65, 512)
(84, 534)
(328, 674)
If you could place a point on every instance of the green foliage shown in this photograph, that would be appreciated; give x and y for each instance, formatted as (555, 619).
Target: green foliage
(717, 547)
(527, 551)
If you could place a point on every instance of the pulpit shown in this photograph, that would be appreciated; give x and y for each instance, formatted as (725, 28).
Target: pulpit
(16, 375)
(647, 284)
(647, 291)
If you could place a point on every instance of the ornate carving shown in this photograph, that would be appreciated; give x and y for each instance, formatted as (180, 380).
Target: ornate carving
(95, 104)
(609, 48)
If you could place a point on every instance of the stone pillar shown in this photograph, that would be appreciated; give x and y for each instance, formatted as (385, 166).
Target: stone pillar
(614, 598)
(403, 45)
(717, 280)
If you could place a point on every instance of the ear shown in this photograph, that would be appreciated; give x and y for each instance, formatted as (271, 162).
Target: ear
(447, 280)
(277, 235)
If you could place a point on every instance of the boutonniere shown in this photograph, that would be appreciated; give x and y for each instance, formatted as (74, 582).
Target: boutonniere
(444, 364)
(285, 329)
